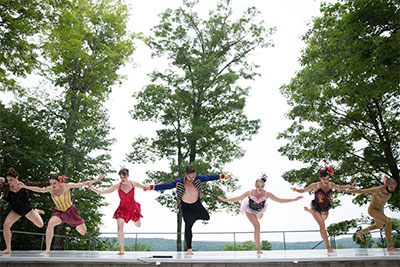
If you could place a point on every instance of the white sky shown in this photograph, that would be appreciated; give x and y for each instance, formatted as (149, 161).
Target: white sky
(278, 65)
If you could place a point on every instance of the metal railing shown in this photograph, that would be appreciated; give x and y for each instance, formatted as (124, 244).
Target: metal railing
(92, 240)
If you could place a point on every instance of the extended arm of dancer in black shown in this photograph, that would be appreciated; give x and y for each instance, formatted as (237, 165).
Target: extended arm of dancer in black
(312, 186)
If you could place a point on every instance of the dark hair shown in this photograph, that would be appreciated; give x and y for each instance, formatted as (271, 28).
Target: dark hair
(12, 172)
(123, 171)
(323, 173)
(190, 169)
(54, 176)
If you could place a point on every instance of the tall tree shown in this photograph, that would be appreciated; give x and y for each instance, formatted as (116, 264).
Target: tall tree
(198, 99)
(20, 23)
(85, 45)
(345, 101)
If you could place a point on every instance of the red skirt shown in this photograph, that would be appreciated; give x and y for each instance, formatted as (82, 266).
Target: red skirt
(132, 213)
(70, 216)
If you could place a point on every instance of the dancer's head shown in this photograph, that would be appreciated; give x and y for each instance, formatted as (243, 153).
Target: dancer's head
(391, 185)
(190, 173)
(260, 182)
(12, 176)
(56, 180)
(325, 174)
(123, 174)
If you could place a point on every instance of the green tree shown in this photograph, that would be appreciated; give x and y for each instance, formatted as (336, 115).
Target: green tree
(21, 22)
(345, 100)
(266, 245)
(137, 247)
(28, 147)
(197, 99)
(85, 45)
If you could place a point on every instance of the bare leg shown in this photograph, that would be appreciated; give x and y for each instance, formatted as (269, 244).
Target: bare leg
(120, 223)
(320, 219)
(34, 217)
(137, 223)
(81, 229)
(11, 218)
(53, 222)
(253, 219)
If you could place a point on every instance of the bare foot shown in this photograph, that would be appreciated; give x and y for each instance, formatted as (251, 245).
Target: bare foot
(307, 209)
(391, 248)
(360, 235)
(189, 252)
(259, 252)
(6, 251)
(121, 253)
(46, 252)
(39, 211)
(330, 250)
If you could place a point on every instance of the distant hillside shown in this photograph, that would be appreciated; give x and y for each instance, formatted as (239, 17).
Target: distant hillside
(162, 244)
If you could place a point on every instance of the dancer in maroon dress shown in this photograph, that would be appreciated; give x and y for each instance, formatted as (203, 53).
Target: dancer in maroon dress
(322, 200)
(128, 208)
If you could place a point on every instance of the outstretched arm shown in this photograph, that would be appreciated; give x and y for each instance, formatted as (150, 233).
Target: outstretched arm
(35, 188)
(104, 191)
(312, 186)
(78, 185)
(343, 188)
(234, 199)
(282, 200)
(139, 185)
(363, 191)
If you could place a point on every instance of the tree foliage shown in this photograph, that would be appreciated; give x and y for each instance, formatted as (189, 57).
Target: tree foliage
(20, 23)
(345, 101)
(198, 99)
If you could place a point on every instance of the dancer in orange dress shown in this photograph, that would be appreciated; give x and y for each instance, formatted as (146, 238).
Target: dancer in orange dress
(128, 208)
(321, 204)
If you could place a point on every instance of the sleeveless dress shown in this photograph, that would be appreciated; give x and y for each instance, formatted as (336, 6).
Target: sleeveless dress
(18, 202)
(128, 208)
(321, 200)
(253, 205)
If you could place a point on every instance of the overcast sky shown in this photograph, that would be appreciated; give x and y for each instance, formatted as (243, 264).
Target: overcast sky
(278, 66)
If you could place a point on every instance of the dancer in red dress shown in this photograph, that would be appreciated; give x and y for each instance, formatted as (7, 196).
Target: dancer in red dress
(128, 208)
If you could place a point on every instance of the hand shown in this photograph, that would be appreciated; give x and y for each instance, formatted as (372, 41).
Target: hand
(2, 179)
(221, 198)
(294, 189)
(90, 185)
(353, 184)
(229, 177)
(146, 187)
(297, 198)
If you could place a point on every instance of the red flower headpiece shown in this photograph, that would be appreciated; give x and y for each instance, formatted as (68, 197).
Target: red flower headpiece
(329, 169)
(61, 179)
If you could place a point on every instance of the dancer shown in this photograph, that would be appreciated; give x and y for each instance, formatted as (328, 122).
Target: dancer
(321, 204)
(189, 194)
(254, 205)
(65, 211)
(128, 208)
(380, 195)
(18, 206)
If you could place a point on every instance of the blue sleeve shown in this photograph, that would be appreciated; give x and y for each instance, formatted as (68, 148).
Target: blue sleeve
(206, 178)
(166, 186)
